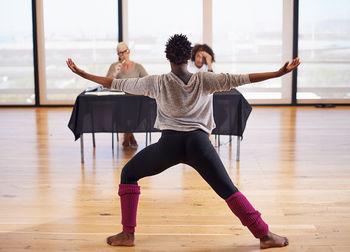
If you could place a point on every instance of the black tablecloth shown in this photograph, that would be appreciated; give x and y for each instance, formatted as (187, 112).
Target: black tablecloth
(134, 113)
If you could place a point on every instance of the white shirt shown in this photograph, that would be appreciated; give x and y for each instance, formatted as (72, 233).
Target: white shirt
(194, 69)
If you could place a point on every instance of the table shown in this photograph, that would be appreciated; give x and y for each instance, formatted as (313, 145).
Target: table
(134, 113)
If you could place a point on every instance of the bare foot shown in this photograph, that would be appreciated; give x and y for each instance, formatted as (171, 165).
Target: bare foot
(127, 138)
(272, 240)
(122, 239)
(125, 144)
(133, 141)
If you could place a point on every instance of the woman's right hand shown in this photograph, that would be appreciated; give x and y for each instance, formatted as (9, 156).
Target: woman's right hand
(73, 67)
(117, 68)
(206, 56)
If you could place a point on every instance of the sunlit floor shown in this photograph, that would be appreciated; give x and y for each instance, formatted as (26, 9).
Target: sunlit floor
(294, 168)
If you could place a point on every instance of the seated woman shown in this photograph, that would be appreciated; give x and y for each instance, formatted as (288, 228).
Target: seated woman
(202, 57)
(124, 69)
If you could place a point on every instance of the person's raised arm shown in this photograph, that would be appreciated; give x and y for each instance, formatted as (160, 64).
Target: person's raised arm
(223, 82)
(256, 77)
(104, 81)
(208, 60)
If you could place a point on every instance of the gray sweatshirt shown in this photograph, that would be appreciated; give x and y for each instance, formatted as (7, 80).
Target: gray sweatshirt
(180, 106)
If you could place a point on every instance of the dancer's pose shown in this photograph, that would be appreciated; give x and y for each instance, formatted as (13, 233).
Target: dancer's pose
(185, 117)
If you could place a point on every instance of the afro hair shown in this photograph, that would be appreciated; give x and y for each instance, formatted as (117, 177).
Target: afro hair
(178, 49)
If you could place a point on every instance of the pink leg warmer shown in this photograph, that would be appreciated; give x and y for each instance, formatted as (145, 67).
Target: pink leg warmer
(129, 198)
(249, 217)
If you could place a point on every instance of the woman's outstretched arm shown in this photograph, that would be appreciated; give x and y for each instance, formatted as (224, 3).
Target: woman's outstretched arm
(222, 82)
(256, 77)
(138, 86)
(104, 81)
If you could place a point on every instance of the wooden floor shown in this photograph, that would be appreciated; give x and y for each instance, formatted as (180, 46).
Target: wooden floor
(294, 168)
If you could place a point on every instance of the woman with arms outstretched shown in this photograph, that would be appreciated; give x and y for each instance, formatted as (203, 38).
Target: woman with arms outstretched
(185, 117)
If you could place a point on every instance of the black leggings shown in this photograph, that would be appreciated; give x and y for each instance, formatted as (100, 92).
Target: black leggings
(192, 148)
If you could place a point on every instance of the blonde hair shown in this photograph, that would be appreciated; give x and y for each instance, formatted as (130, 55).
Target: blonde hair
(121, 45)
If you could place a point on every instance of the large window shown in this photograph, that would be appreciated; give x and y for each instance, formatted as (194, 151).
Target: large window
(85, 30)
(16, 53)
(247, 37)
(151, 22)
(324, 49)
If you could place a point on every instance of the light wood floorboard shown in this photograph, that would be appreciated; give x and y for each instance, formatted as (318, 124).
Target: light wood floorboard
(294, 168)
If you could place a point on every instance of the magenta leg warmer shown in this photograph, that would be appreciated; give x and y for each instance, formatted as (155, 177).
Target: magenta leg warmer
(129, 198)
(249, 217)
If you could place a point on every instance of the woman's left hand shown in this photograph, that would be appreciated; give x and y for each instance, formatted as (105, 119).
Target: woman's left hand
(289, 67)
